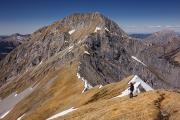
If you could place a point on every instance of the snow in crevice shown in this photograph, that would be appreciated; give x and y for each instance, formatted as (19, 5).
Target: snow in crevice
(79, 41)
(107, 29)
(5, 113)
(87, 85)
(21, 117)
(71, 31)
(97, 29)
(139, 86)
(70, 48)
(86, 52)
(40, 63)
(135, 58)
(100, 86)
(62, 113)
(36, 67)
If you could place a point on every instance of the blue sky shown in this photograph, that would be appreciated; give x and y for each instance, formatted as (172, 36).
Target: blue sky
(134, 16)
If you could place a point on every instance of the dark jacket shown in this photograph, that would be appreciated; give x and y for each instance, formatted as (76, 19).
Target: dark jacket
(131, 87)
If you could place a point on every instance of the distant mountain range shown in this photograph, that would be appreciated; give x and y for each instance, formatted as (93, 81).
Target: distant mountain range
(8, 43)
(80, 67)
(140, 35)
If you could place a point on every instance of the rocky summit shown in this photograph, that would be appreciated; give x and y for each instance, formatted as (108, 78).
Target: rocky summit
(76, 67)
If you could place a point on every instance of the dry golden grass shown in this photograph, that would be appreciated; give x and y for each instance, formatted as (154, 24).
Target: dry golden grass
(106, 92)
(65, 90)
(46, 100)
(171, 105)
(146, 106)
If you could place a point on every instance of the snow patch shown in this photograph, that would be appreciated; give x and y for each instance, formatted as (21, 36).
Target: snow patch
(86, 52)
(135, 58)
(100, 86)
(138, 85)
(62, 113)
(87, 86)
(71, 31)
(107, 29)
(4, 114)
(79, 41)
(97, 29)
(40, 63)
(138, 79)
(78, 75)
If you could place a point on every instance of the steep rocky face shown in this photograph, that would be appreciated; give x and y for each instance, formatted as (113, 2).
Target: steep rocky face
(113, 57)
(163, 51)
(55, 40)
(8, 43)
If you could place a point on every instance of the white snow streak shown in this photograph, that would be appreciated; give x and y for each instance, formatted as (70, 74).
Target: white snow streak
(87, 86)
(70, 48)
(21, 117)
(106, 29)
(15, 94)
(6, 113)
(62, 113)
(40, 63)
(86, 52)
(71, 31)
(135, 58)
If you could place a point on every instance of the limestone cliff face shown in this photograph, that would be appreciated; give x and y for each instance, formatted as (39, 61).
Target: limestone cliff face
(104, 52)
(48, 42)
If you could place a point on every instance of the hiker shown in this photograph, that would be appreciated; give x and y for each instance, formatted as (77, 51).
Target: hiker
(131, 88)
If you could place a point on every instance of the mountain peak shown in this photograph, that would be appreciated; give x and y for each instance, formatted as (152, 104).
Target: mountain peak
(165, 31)
(162, 37)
